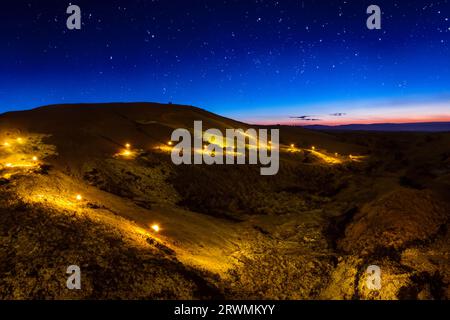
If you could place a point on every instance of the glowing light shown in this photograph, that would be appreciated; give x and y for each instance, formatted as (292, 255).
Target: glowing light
(19, 140)
(128, 146)
(155, 227)
(169, 143)
(79, 197)
(325, 157)
(19, 165)
(164, 148)
(292, 145)
(357, 158)
(335, 154)
(126, 153)
(6, 144)
(35, 158)
(314, 148)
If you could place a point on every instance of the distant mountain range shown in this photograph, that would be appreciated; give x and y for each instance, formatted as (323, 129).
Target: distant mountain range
(390, 127)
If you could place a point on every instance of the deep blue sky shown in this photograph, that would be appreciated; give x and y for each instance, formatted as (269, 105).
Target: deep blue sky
(259, 61)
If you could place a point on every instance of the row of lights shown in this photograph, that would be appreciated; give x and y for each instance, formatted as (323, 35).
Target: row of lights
(170, 143)
(314, 148)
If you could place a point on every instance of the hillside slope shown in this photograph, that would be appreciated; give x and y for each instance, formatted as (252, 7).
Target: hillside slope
(67, 197)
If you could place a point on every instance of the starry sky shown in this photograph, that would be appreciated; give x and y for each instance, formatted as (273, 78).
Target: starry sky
(259, 61)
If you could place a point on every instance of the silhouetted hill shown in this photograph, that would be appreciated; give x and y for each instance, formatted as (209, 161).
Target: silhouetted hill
(388, 127)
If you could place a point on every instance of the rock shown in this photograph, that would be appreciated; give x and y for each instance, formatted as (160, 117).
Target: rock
(394, 221)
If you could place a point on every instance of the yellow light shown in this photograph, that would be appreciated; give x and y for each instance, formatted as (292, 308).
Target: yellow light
(169, 143)
(79, 197)
(127, 146)
(155, 227)
(314, 148)
(127, 153)
(19, 165)
(6, 144)
(19, 140)
(205, 147)
(292, 145)
(35, 158)
(335, 154)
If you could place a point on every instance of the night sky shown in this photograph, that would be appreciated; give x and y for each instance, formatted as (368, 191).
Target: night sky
(293, 62)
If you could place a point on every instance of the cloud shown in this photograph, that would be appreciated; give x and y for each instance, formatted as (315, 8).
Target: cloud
(305, 118)
(337, 114)
(300, 117)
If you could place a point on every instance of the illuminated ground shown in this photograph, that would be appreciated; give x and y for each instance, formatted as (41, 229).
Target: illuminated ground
(104, 195)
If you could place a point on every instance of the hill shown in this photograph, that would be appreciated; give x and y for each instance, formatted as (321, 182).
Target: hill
(69, 196)
(389, 127)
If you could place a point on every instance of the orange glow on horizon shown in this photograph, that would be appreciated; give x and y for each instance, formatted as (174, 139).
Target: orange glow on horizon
(350, 121)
